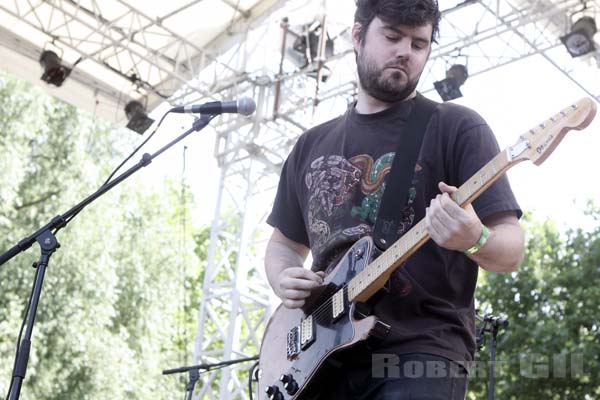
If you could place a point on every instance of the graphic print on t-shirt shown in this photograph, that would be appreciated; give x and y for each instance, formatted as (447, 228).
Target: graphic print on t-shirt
(337, 213)
(372, 184)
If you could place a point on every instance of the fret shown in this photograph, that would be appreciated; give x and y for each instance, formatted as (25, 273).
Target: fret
(383, 260)
(484, 173)
(493, 165)
(473, 186)
(457, 197)
(413, 237)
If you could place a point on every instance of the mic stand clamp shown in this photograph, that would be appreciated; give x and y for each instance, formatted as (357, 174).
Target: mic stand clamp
(194, 375)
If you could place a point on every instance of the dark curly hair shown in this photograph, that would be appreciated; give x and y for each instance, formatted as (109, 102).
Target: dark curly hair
(398, 12)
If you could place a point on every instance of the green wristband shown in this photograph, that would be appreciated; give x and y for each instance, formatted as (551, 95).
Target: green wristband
(485, 233)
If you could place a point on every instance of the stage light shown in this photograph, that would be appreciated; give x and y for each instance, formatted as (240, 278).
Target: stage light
(449, 88)
(306, 49)
(580, 40)
(307, 45)
(54, 72)
(138, 119)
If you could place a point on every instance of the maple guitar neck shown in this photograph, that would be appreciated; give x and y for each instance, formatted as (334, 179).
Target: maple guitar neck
(535, 145)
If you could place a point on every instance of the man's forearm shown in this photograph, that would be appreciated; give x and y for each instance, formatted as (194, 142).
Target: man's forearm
(503, 251)
(282, 254)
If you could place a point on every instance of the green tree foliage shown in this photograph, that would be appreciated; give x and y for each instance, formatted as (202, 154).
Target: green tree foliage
(551, 349)
(117, 306)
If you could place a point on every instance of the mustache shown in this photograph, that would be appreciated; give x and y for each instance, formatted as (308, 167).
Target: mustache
(396, 64)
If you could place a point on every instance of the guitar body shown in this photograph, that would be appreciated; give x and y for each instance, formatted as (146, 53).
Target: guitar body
(331, 335)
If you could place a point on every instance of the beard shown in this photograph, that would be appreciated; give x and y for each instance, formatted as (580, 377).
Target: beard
(387, 89)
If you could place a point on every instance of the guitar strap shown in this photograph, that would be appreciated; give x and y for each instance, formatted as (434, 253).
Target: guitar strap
(395, 195)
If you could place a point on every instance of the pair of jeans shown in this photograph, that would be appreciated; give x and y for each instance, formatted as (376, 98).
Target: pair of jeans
(415, 376)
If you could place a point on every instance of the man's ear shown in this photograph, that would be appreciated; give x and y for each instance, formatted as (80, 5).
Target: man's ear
(356, 29)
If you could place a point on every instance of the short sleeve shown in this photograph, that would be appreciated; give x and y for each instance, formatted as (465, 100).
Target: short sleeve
(286, 214)
(475, 147)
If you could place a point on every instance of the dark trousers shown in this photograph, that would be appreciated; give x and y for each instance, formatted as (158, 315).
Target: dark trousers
(390, 377)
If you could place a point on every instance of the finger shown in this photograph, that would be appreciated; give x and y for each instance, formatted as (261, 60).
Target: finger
(439, 216)
(449, 212)
(293, 303)
(298, 284)
(445, 188)
(439, 229)
(302, 273)
(452, 210)
(292, 294)
(431, 230)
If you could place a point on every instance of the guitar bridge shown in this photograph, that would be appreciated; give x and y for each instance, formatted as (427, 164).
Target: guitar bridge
(293, 343)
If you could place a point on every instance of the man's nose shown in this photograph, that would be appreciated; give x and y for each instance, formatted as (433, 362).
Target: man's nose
(403, 49)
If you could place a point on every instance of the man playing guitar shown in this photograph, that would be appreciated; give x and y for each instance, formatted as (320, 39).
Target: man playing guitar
(328, 197)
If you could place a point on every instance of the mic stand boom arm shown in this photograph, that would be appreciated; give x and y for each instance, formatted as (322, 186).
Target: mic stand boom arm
(48, 244)
(194, 372)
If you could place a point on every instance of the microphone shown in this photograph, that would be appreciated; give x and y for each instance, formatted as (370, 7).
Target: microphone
(244, 106)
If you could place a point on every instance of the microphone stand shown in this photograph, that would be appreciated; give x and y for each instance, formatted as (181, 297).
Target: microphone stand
(48, 245)
(194, 372)
(495, 323)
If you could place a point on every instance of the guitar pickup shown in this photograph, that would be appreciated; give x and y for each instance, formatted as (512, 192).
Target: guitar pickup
(338, 305)
(307, 332)
(293, 342)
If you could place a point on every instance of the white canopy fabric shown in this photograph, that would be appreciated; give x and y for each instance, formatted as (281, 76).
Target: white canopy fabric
(129, 49)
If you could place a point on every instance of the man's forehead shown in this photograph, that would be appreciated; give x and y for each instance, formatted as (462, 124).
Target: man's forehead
(424, 31)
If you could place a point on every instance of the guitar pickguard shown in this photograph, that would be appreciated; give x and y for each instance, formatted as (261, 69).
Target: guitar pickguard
(285, 377)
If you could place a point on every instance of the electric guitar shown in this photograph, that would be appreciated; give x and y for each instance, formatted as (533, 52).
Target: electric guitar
(296, 345)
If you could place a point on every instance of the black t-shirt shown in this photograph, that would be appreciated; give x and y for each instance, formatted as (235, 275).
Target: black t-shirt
(329, 195)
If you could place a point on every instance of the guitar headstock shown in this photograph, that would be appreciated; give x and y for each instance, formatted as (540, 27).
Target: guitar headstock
(537, 144)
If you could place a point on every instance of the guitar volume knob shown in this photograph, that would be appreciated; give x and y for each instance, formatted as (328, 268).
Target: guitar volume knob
(273, 393)
(289, 384)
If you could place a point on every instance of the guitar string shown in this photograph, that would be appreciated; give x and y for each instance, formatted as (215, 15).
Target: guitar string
(325, 307)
